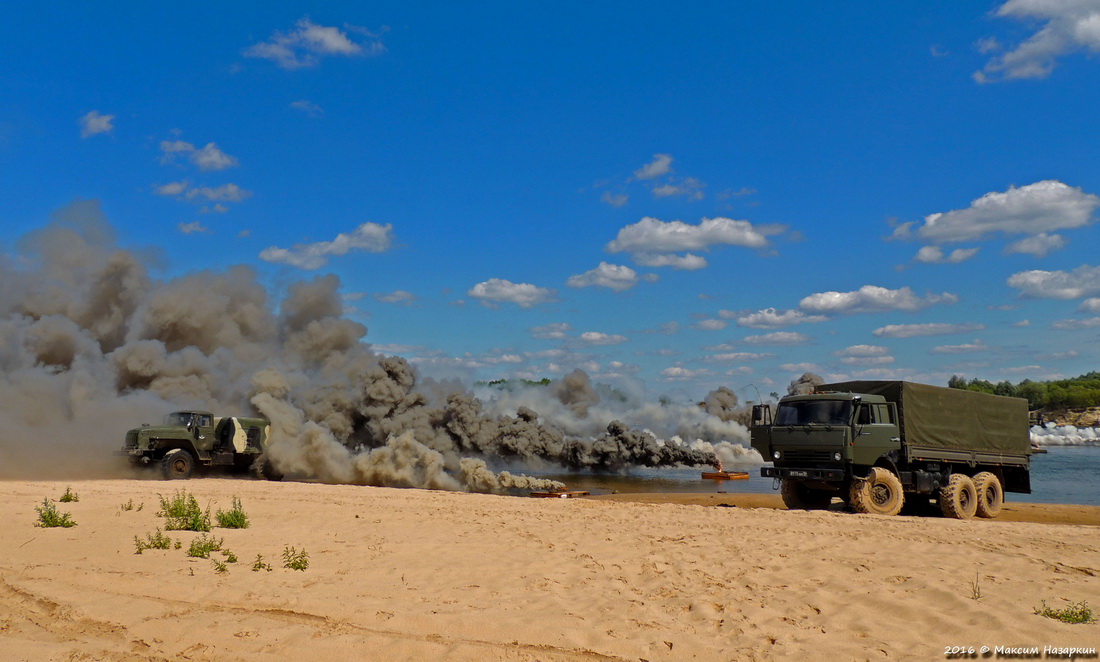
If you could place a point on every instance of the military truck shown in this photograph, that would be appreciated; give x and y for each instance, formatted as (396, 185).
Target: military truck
(886, 445)
(186, 439)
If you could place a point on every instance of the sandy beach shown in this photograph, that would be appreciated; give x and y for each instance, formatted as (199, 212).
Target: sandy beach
(415, 575)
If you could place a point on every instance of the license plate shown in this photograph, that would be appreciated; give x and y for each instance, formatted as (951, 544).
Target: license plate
(800, 474)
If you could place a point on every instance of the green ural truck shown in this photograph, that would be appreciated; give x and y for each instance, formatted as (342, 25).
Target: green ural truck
(189, 438)
(882, 445)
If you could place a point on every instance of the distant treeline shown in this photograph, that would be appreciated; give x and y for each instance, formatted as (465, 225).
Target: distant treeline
(1076, 393)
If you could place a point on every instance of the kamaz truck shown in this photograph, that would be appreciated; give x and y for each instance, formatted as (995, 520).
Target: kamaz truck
(186, 439)
(883, 445)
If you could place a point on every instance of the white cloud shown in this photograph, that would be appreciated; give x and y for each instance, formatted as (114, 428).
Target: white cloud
(863, 351)
(495, 291)
(800, 368)
(555, 331)
(369, 237)
(935, 255)
(1071, 325)
(976, 346)
(686, 262)
(615, 200)
(172, 188)
(169, 149)
(711, 325)
(309, 42)
(1081, 282)
(680, 373)
(688, 187)
(651, 235)
(93, 123)
(224, 193)
(930, 329)
(597, 338)
(660, 166)
(737, 357)
(612, 276)
(397, 296)
(1040, 245)
(778, 338)
(307, 107)
(1069, 25)
(192, 228)
(867, 360)
(1090, 306)
(871, 299)
(217, 208)
(1034, 209)
(770, 318)
(212, 158)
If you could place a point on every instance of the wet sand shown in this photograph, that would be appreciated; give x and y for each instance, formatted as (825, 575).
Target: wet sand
(414, 575)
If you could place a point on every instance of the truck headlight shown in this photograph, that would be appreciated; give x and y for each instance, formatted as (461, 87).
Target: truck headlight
(775, 454)
(836, 456)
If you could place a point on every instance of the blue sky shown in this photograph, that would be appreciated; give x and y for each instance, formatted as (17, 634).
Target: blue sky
(674, 197)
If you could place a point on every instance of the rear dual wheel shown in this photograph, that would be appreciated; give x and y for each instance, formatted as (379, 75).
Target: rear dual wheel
(990, 494)
(959, 497)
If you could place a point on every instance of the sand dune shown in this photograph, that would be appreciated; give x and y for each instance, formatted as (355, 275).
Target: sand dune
(413, 575)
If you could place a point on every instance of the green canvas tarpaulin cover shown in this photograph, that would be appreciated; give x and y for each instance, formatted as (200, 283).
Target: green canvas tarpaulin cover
(951, 418)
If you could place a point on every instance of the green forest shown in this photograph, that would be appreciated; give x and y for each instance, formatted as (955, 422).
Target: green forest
(1076, 393)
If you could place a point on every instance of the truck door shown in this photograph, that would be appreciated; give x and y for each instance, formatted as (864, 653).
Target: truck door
(876, 432)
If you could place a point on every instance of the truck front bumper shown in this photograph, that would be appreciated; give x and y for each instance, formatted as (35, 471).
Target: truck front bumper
(804, 473)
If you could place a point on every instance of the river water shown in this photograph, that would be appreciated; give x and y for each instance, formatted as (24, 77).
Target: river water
(1069, 472)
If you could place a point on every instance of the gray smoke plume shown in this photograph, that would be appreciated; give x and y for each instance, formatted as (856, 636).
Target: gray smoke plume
(93, 345)
(805, 384)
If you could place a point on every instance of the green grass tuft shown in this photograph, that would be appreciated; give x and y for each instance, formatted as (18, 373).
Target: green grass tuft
(259, 564)
(203, 545)
(69, 496)
(1075, 612)
(234, 518)
(294, 559)
(49, 517)
(182, 513)
(154, 541)
(220, 567)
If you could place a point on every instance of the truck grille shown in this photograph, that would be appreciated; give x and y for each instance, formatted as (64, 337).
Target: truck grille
(131, 440)
(802, 455)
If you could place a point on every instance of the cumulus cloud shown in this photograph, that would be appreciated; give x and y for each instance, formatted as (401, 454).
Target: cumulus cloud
(1035, 209)
(770, 318)
(872, 299)
(737, 357)
(1067, 26)
(368, 237)
(680, 373)
(309, 42)
(686, 262)
(193, 228)
(711, 325)
(929, 329)
(94, 122)
(976, 346)
(651, 235)
(935, 255)
(863, 351)
(612, 276)
(1082, 282)
(495, 291)
(1090, 305)
(689, 187)
(224, 193)
(615, 200)
(1040, 245)
(307, 107)
(555, 331)
(660, 166)
(209, 158)
(597, 338)
(173, 188)
(778, 338)
(397, 296)
(1073, 325)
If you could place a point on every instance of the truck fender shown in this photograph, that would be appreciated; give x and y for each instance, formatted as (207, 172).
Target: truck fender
(887, 462)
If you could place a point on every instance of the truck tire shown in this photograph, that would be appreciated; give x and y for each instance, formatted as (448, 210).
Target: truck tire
(264, 468)
(990, 494)
(879, 494)
(959, 498)
(177, 464)
(796, 496)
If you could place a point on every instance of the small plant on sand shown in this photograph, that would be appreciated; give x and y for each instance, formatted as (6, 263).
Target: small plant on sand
(259, 564)
(49, 517)
(294, 559)
(230, 557)
(128, 506)
(220, 567)
(234, 518)
(182, 513)
(153, 541)
(976, 589)
(1075, 612)
(203, 545)
(69, 496)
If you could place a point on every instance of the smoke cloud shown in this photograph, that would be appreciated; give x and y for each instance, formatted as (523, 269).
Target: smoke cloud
(91, 345)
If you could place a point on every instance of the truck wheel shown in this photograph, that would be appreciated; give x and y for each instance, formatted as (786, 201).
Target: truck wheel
(990, 494)
(796, 496)
(265, 469)
(879, 494)
(177, 464)
(959, 498)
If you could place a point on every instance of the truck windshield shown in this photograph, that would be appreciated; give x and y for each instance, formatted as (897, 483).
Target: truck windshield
(178, 418)
(809, 412)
